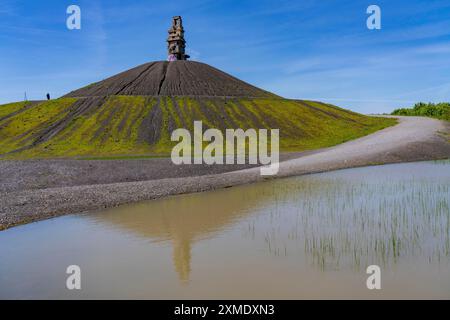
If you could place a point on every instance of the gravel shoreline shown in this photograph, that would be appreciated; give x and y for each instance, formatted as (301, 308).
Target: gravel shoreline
(35, 190)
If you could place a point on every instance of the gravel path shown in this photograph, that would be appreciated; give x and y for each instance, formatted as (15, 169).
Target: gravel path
(29, 193)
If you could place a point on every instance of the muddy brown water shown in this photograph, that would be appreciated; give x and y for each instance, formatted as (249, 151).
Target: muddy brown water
(302, 237)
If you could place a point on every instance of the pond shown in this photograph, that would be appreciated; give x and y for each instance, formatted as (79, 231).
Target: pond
(304, 237)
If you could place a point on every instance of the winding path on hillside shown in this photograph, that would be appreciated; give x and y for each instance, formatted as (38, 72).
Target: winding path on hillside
(413, 139)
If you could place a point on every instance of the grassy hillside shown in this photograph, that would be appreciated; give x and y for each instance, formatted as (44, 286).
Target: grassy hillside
(138, 125)
(438, 111)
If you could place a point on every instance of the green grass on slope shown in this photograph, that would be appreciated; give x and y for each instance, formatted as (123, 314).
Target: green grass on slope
(9, 108)
(19, 130)
(135, 126)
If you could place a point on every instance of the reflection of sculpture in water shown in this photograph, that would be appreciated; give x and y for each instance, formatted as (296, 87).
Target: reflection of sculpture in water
(182, 258)
(328, 219)
(185, 219)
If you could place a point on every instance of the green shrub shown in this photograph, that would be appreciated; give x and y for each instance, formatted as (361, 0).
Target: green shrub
(439, 110)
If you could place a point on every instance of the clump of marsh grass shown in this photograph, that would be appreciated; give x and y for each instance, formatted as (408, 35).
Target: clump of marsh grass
(354, 218)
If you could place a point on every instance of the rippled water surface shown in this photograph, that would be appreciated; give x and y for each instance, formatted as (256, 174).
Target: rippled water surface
(303, 237)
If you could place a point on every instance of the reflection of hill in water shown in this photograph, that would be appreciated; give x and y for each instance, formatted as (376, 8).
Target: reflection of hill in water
(345, 219)
(185, 219)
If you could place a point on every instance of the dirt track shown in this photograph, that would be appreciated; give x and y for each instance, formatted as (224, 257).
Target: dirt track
(413, 139)
(19, 175)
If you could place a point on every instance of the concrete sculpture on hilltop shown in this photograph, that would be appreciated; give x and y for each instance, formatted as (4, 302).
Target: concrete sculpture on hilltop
(176, 45)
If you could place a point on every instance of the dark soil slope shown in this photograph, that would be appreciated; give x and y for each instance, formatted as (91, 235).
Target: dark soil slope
(178, 78)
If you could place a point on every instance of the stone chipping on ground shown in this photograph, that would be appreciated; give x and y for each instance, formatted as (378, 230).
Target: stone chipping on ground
(35, 190)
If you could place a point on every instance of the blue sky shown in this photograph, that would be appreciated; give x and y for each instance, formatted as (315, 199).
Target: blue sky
(306, 49)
